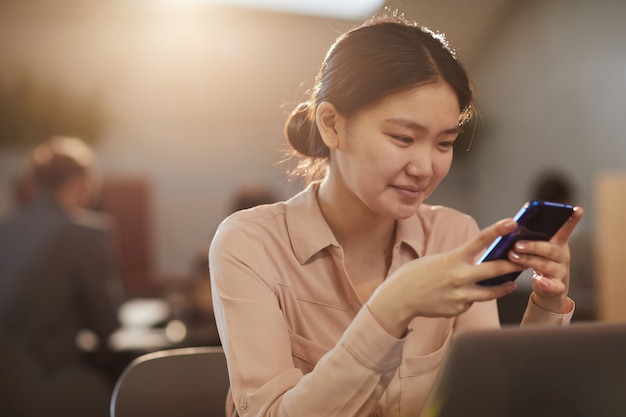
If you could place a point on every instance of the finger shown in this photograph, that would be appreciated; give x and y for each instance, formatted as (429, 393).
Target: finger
(545, 286)
(480, 293)
(486, 236)
(493, 269)
(525, 249)
(546, 257)
(548, 268)
(566, 230)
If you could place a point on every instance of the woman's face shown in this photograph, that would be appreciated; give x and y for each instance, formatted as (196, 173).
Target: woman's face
(390, 157)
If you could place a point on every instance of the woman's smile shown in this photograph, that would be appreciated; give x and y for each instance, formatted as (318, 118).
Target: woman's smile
(409, 192)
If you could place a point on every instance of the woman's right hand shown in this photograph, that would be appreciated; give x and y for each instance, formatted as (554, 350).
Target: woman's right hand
(442, 285)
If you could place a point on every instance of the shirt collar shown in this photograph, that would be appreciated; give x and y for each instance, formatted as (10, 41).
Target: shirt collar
(410, 232)
(309, 232)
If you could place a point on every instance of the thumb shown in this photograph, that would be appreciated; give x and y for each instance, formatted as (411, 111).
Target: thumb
(566, 230)
(477, 246)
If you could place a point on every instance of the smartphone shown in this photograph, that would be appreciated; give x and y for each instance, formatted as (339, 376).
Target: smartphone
(536, 220)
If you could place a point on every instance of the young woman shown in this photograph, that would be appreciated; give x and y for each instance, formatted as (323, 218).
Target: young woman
(342, 300)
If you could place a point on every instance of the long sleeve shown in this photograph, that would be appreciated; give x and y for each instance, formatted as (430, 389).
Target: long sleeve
(348, 379)
(537, 315)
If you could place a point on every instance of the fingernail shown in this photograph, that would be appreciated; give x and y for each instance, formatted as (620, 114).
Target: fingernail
(511, 286)
(510, 224)
(515, 256)
(521, 246)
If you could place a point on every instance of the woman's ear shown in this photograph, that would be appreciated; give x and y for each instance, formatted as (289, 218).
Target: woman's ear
(327, 118)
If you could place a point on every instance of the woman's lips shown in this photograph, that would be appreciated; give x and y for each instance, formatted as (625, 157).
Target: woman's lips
(409, 192)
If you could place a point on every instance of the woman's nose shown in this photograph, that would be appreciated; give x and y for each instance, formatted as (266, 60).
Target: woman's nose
(420, 166)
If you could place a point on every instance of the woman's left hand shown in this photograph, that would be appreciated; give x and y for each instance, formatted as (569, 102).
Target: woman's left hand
(550, 262)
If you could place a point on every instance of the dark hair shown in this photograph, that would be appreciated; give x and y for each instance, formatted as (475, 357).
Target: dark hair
(553, 186)
(59, 159)
(383, 56)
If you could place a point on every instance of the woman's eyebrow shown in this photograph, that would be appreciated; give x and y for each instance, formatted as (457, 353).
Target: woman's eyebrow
(416, 127)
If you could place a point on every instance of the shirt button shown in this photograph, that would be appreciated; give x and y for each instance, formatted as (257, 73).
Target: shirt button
(377, 413)
(243, 404)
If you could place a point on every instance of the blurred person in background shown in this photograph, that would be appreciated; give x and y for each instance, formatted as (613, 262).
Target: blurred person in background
(22, 190)
(59, 283)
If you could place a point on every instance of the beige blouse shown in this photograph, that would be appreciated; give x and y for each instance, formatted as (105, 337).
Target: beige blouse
(298, 341)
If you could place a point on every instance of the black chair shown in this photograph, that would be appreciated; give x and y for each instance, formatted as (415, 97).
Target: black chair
(26, 391)
(21, 381)
(185, 382)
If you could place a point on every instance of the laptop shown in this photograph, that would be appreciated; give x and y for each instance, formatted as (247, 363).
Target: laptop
(539, 371)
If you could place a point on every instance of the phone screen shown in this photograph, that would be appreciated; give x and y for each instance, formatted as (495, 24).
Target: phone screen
(537, 220)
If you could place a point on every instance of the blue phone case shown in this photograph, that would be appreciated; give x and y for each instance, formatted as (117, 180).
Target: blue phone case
(537, 220)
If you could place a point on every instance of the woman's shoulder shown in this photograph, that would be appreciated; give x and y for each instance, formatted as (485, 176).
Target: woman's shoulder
(262, 214)
(270, 218)
(253, 222)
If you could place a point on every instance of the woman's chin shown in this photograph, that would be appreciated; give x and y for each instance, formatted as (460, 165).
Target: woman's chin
(406, 212)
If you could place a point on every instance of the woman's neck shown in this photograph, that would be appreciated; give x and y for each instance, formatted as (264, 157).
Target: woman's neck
(353, 224)
(366, 239)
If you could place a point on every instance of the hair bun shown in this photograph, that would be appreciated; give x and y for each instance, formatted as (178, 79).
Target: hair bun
(298, 128)
(302, 133)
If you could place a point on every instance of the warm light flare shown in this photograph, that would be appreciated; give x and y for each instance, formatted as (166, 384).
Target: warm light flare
(346, 9)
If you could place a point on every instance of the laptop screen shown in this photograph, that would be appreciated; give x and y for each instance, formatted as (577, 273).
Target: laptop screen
(572, 371)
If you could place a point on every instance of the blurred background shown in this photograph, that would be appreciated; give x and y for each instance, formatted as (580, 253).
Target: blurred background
(185, 101)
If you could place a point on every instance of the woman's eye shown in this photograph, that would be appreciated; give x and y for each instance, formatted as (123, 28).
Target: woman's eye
(403, 139)
(447, 145)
